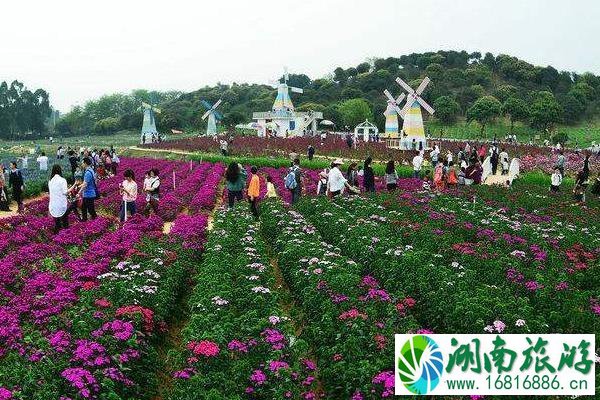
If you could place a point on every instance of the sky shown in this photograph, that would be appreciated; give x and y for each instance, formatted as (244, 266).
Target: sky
(80, 50)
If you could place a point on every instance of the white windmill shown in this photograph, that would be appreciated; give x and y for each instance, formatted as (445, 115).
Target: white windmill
(283, 102)
(213, 116)
(391, 114)
(412, 128)
(149, 131)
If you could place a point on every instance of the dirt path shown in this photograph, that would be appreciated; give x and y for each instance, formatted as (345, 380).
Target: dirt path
(13, 205)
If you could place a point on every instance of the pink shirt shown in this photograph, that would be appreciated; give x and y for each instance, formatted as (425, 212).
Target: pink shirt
(131, 188)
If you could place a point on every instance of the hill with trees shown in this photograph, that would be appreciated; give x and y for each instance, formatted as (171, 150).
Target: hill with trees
(466, 88)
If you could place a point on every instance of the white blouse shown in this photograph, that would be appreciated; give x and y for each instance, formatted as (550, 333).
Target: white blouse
(57, 187)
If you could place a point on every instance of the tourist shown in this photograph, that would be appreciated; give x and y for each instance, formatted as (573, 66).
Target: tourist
(427, 181)
(596, 186)
(129, 190)
(293, 180)
(89, 191)
(417, 163)
(504, 161)
(57, 205)
(581, 184)
(15, 182)
(73, 161)
(560, 162)
(452, 177)
(322, 184)
(352, 175)
(467, 148)
(434, 154)
(271, 192)
(335, 180)
(438, 176)
(152, 191)
(42, 161)
(4, 203)
(494, 159)
(481, 153)
(223, 145)
(368, 176)
(115, 162)
(254, 191)
(449, 158)
(391, 176)
(473, 174)
(310, 152)
(555, 180)
(235, 179)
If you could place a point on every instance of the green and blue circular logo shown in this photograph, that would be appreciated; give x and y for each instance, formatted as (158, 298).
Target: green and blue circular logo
(420, 364)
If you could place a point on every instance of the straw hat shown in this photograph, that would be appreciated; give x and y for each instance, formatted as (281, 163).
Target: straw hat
(338, 161)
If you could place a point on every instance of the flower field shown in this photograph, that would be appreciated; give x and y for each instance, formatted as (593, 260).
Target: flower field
(534, 158)
(201, 302)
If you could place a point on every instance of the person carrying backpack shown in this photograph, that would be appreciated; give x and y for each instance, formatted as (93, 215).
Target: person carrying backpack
(293, 180)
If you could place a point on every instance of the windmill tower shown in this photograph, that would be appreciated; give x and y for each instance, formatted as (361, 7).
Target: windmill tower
(213, 116)
(411, 112)
(391, 114)
(149, 132)
(283, 102)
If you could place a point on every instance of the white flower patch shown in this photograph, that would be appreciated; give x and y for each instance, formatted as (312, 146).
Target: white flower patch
(261, 289)
(218, 301)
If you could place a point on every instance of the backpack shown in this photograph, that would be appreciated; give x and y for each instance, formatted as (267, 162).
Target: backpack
(290, 180)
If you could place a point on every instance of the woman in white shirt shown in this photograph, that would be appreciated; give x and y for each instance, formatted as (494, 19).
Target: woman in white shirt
(555, 180)
(129, 190)
(57, 186)
(335, 179)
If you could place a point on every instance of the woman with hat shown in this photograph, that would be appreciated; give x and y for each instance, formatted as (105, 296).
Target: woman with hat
(336, 181)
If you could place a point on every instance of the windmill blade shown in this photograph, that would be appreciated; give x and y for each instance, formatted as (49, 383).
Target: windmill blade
(206, 114)
(400, 98)
(389, 96)
(218, 115)
(409, 102)
(206, 104)
(146, 105)
(423, 85)
(404, 85)
(424, 104)
(296, 90)
(217, 104)
(156, 110)
(286, 75)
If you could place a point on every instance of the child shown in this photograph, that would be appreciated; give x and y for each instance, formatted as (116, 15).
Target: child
(322, 185)
(438, 176)
(271, 193)
(556, 180)
(427, 181)
(74, 198)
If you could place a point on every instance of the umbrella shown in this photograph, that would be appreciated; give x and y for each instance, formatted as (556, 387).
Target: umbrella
(327, 122)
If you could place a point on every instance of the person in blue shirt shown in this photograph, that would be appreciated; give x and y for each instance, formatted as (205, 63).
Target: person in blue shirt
(89, 191)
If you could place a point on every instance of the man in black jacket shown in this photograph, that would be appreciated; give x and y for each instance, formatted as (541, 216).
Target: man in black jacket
(15, 181)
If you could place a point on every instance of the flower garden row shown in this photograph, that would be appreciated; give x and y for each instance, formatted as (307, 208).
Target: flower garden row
(532, 157)
(82, 312)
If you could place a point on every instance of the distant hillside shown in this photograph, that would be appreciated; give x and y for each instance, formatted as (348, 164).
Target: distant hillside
(465, 86)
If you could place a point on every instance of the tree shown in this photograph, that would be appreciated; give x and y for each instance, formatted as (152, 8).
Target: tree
(363, 68)
(572, 108)
(446, 109)
(545, 111)
(484, 111)
(355, 111)
(516, 109)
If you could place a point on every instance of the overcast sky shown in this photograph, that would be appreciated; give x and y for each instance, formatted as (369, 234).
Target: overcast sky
(79, 50)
